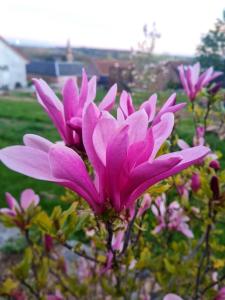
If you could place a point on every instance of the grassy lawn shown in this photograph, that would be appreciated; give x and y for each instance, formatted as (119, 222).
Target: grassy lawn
(21, 114)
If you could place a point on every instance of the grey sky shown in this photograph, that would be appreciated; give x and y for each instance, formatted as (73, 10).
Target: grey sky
(110, 24)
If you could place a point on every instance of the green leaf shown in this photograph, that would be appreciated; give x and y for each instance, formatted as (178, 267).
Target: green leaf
(8, 286)
(169, 266)
(22, 269)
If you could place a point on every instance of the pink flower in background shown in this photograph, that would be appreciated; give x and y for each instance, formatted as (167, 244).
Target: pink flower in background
(193, 82)
(198, 139)
(145, 205)
(116, 245)
(195, 182)
(67, 115)
(172, 297)
(126, 107)
(27, 198)
(125, 162)
(221, 294)
(171, 217)
(56, 296)
(183, 190)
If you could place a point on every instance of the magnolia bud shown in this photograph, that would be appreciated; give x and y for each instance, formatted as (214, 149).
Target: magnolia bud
(214, 164)
(195, 182)
(214, 184)
(48, 243)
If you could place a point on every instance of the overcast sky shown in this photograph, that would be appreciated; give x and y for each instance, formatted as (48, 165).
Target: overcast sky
(110, 24)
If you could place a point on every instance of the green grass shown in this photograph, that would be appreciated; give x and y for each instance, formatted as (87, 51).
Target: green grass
(21, 114)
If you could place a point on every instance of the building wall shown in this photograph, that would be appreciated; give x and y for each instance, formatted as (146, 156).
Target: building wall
(12, 68)
(54, 81)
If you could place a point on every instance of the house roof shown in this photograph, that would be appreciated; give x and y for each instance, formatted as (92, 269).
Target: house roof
(13, 49)
(103, 65)
(55, 69)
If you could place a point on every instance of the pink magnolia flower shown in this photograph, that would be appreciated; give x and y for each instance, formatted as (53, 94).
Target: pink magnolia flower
(198, 139)
(67, 115)
(172, 297)
(126, 107)
(171, 217)
(123, 156)
(183, 190)
(195, 182)
(27, 198)
(221, 294)
(56, 296)
(192, 81)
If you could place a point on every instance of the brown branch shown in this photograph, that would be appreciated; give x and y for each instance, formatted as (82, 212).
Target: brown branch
(212, 285)
(31, 289)
(128, 231)
(81, 254)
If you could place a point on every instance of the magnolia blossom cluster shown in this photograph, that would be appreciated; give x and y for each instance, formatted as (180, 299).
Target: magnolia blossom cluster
(122, 150)
(171, 217)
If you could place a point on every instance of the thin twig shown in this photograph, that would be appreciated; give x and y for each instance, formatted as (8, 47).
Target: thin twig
(81, 254)
(128, 232)
(207, 114)
(31, 289)
(194, 116)
(206, 252)
(212, 285)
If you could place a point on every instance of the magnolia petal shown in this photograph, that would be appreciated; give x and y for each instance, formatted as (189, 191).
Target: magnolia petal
(183, 79)
(69, 168)
(7, 211)
(150, 107)
(101, 136)
(75, 123)
(83, 90)
(126, 104)
(161, 131)
(90, 120)
(27, 198)
(52, 105)
(12, 203)
(187, 158)
(70, 99)
(28, 161)
(116, 156)
(109, 99)
(91, 89)
(182, 144)
(138, 125)
(37, 142)
(147, 172)
(195, 73)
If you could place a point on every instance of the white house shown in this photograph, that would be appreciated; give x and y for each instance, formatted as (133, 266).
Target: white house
(12, 67)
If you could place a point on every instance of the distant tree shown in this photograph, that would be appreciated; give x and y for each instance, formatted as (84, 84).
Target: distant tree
(211, 51)
(143, 58)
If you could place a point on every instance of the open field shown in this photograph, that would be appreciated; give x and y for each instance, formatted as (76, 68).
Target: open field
(21, 114)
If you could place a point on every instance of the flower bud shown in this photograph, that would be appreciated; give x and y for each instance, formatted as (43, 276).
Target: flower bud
(48, 242)
(213, 90)
(214, 184)
(214, 164)
(195, 182)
